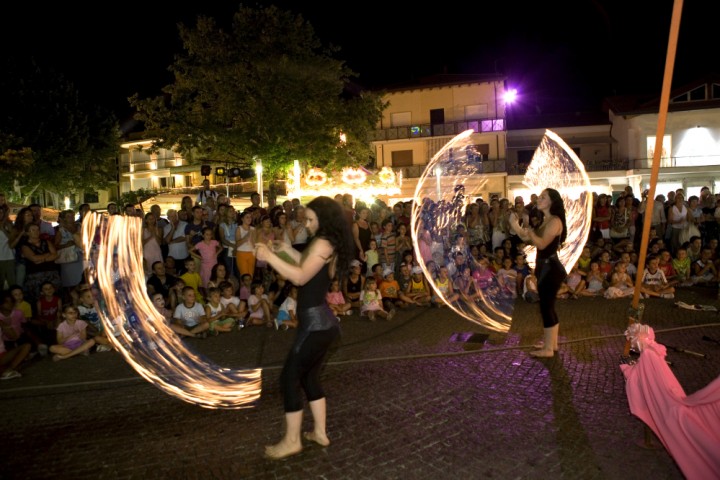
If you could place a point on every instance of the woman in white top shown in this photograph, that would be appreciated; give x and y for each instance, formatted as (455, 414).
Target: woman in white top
(245, 246)
(677, 219)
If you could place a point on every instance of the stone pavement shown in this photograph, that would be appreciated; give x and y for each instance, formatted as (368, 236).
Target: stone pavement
(405, 402)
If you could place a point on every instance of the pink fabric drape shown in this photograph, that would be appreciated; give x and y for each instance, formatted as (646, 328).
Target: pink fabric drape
(688, 426)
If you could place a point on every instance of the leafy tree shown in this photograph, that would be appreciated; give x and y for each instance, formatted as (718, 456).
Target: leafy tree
(49, 140)
(266, 89)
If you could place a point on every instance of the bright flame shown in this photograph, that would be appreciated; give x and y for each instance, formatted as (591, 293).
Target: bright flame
(144, 340)
(555, 165)
(439, 207)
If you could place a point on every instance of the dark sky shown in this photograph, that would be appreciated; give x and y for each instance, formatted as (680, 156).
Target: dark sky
(565, 55)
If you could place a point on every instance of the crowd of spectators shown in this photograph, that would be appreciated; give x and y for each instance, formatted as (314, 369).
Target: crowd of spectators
(202, 276)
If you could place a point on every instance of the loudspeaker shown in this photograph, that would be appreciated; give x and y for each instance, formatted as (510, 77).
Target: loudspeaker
(205, 170)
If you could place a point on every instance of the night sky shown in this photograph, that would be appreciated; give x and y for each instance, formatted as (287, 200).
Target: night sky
(562, 56)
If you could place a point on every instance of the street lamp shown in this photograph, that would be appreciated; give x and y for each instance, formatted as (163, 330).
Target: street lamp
(258, 174)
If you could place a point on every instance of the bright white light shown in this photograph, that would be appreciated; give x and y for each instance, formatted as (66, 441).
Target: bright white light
(510, 96)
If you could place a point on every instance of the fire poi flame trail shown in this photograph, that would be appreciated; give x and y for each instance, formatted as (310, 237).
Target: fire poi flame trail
(451, 177)
(141, 334)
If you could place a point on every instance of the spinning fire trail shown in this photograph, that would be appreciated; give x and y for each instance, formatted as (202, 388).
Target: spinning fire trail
(140, 333)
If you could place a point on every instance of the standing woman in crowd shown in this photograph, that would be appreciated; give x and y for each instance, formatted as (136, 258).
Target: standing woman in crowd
(40, 267)
(327, 256)
(69, 236)
(547, 238)
(245, 245)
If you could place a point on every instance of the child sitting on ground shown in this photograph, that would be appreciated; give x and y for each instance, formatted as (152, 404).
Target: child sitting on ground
(259, 307)
(595, 282)
(573, 285)
(654, 283)
(683, 267)
(158, 301)
(234, 307)
(336, 301)
(392, 296)
(418, 289)
(530, 289)
(372, 301)
(190, 314)
(88, 312)
(621, 284)
(11, 358)
(287, 314)
(215, 312)
(71, 335)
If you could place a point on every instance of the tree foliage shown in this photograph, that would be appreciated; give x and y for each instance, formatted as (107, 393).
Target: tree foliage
(265, 89)
(48, 139)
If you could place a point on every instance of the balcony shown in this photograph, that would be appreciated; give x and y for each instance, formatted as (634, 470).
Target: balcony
(438, 130)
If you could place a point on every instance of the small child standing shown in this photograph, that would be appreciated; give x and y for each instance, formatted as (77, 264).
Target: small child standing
(245, 286)
(336, 300)
(259, 307)
(49, 306)
(215, 313)
(71, 335)
(190, 314)
(287, 314)
(372, 301)
(372, 255)
(193, 280)
(207, 251)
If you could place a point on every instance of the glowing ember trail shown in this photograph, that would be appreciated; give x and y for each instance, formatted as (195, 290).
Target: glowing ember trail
(441, 196)
(141, 334)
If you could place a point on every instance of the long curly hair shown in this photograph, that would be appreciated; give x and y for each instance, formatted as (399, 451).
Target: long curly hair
(557, 208)
(333, 227)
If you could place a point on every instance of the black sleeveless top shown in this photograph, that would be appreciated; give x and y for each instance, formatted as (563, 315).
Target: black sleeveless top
(550, 250)
(364, 235)
(313, 292)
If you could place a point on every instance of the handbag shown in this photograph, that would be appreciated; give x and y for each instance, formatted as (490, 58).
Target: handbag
(67, 255)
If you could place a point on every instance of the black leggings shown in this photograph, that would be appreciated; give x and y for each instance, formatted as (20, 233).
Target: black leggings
(550, 274)
(302, 369)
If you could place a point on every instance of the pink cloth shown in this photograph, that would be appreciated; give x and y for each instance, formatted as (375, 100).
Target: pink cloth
(688, 426)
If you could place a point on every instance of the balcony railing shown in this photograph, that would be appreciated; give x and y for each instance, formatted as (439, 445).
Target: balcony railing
(684, 161)
(437, 130)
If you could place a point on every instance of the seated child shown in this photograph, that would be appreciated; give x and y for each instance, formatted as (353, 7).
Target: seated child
(621, 284)
(418, 289)
(215, 313)
(287, 314)
(683, 267)
(372, 301)
(595, 281)
(190, 314)
(703, 269)
(654, 283)
(522, 269)
(11, 358)
(234, 307)
(391, 294)
(573, 285)
(259, 307)
(336, 301)
(158, 301)
(86, 306)
(530, 290)
(353, 283)
(465, 284)
(71, 335)
(507, 278)
(445, 286)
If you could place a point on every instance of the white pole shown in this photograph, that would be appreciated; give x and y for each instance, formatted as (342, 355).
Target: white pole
(258, 174)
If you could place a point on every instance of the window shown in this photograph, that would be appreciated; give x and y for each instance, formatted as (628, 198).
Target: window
(91, 197)
(167, 182)
(402, 158)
